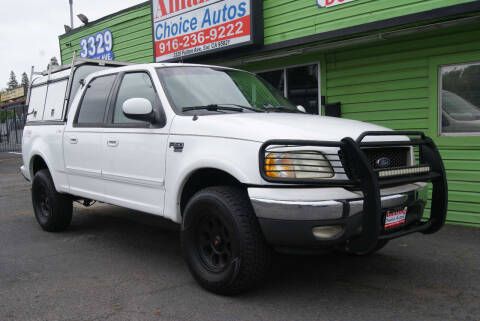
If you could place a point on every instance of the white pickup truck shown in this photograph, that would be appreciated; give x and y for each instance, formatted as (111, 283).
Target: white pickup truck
(222, 153)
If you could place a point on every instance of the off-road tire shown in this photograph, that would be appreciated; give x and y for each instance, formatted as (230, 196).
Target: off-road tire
(249, 259)
(53, 210)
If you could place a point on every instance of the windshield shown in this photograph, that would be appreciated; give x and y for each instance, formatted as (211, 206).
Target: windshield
(197, 87)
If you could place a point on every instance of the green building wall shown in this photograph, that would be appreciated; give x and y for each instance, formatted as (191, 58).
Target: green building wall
(390, 82)
(283, 20)
(394, 83)
(289, 19)
(131, 30)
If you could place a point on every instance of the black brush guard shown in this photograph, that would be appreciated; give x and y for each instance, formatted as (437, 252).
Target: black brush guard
(363, 177)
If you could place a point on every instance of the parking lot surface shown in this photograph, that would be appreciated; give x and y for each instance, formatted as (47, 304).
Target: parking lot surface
(117, 264)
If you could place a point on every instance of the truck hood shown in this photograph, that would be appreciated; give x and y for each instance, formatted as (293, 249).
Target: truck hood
(265, 126)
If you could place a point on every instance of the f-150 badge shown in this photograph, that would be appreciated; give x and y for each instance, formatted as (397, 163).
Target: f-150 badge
(177, 147)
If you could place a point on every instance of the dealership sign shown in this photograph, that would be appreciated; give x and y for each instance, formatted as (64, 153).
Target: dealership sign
(97, 46)
(331, 3)
(12, 94)
(185, 28)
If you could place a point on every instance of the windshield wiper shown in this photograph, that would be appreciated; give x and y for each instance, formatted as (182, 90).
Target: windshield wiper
(244, 107)
(280, 108)
(212, 107)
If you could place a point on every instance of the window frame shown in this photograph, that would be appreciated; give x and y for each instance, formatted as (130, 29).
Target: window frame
(113, 100)
(77, 112)
(285, 75)
(440, 133)
(433, 64)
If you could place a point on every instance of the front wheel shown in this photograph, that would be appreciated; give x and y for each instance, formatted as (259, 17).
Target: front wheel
(222, 241)
(53, 210)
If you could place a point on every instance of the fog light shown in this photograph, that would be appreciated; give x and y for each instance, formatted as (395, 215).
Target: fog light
(327, 232)
(405, 171)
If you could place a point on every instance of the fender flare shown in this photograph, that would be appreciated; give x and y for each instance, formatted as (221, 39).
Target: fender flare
(188, 171)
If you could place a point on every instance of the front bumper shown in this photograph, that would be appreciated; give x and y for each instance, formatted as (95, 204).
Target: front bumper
(361, 217)
(290, 222)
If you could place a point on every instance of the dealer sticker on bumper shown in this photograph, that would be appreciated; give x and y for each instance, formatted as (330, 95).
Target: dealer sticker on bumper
(395, 218)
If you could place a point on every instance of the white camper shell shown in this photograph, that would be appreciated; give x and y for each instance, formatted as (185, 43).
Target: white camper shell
(50, 91)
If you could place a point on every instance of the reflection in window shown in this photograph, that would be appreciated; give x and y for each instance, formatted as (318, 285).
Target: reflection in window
(275, 78)
(301, 82)
(302, 87)
(459, 99)
(81, 72)
(203, 86)
(94, 103)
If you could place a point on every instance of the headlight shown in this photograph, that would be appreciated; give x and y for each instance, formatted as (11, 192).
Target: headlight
(298, 164)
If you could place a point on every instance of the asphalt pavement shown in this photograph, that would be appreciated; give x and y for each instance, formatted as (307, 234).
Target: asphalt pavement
(117, 264)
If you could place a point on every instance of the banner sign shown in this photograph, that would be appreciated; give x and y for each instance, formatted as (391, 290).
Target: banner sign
(185, 28)
(12, 94)
(331, 3)
(98, 46)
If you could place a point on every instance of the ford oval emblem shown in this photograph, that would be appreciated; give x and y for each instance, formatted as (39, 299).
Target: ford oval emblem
(383, 162)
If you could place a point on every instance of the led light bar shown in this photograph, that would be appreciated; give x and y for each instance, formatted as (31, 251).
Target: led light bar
(404, 171)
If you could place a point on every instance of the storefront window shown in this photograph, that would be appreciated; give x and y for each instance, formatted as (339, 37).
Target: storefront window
(276, 78)
(459, 99)
(300, 86)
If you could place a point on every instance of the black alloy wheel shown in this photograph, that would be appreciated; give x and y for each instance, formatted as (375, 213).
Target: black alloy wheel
(45, 210)
(53, 210)
(222, 242)
(215, 245)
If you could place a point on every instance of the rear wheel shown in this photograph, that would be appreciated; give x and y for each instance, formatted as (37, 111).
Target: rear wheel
(53, 210)
(222, 241)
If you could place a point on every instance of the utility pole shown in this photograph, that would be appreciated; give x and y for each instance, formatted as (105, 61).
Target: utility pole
(71, 13)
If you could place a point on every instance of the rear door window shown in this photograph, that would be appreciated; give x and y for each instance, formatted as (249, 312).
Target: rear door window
(94, 102)
(81, 72)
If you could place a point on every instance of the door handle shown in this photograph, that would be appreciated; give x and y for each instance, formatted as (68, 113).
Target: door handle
(112, 142)
(73, 140)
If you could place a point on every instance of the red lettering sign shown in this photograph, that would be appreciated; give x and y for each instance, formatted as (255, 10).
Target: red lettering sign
(330, 3)
(166, 7)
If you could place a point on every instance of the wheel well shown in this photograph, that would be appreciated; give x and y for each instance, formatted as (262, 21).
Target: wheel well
(203, 178)
(37, 164)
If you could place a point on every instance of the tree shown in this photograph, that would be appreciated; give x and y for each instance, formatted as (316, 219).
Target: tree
(12, 82)
(25, 81)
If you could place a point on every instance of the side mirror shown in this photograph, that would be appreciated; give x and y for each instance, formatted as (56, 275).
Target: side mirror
(301, 108)
(139, 109)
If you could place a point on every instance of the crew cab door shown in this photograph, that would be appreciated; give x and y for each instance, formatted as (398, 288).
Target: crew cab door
(82, 140)
(134, 151)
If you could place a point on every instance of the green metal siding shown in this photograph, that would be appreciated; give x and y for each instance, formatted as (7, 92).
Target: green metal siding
(283, 20)
(289, 19)
(394, 84)
(132, 36)
(391, 83)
